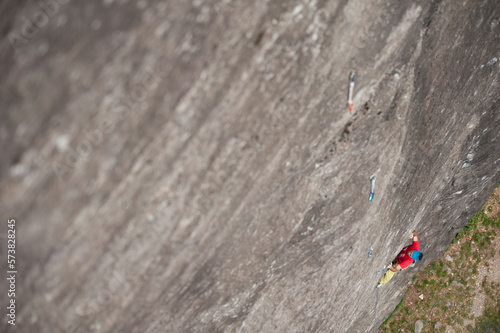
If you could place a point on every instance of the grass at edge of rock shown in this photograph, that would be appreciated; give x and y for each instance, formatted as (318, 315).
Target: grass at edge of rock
(454, 281)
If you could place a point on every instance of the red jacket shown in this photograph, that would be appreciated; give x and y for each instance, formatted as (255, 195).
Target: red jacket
(403, 259)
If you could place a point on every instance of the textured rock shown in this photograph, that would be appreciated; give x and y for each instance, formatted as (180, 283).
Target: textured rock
(449, 329)
(419, 325)
(186, 166)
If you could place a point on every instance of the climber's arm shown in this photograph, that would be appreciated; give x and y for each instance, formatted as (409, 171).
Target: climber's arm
(394, 269)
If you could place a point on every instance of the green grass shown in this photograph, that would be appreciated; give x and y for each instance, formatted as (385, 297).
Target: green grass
(396, 309)
(472, 225)
(492, 309)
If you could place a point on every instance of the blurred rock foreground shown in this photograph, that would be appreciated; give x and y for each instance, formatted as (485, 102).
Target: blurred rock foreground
(191, 166)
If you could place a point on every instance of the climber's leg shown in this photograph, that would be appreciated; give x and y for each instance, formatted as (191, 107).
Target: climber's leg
(387, 276)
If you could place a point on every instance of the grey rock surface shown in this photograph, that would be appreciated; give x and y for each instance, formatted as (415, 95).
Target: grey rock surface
(191, 166)
(449, 329)
(419, 325)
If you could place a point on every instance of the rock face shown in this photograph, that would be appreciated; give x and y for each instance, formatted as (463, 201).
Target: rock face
(191, 166)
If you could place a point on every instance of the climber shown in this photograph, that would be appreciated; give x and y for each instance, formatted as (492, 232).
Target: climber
(405, 258)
